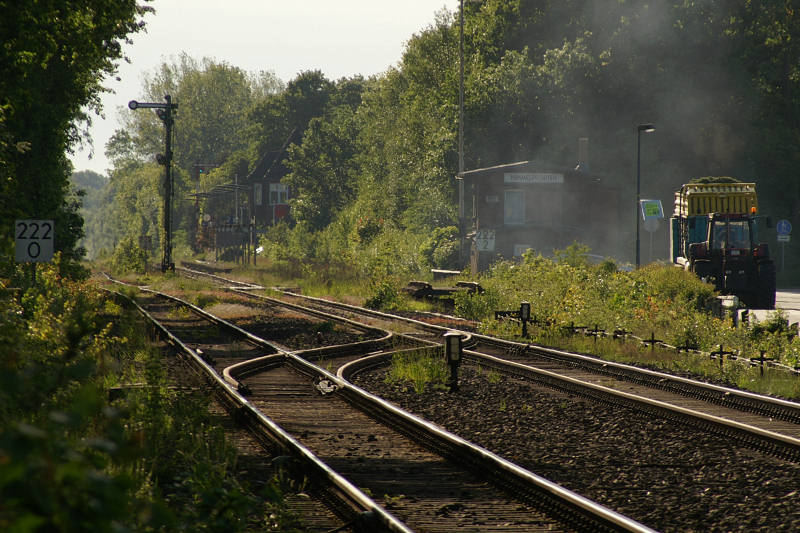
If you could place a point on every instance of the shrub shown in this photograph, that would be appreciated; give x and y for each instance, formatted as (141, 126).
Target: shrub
(476, 306)
(419, 368)
(385, 297)
(129, 257)
(441, 249)
(72, 461)
(575, 255)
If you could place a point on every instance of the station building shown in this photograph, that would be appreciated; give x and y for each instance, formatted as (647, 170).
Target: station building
(528, 205)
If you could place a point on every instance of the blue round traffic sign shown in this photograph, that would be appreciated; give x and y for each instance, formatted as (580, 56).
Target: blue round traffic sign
(784, 227)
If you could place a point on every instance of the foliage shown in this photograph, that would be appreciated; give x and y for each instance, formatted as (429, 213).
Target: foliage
(663, 301)
(214, 98)
(574, 255)
(367, 228)
(57, 440)
(537, 76)
(321, 168)
(441, 250)
(52, 62)
(385, 297)
(421, 369)
(714, 179)
(71, 460)
(475, 305)
(129, 257)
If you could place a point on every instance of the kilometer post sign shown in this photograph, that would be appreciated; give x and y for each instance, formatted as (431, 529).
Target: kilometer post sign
(34, 241)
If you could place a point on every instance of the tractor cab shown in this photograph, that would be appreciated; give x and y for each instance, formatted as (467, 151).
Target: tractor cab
(732, 259)
(730, 234)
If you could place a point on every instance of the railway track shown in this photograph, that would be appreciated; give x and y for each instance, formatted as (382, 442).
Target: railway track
(755, 420)
(338, 436)
(712, 421)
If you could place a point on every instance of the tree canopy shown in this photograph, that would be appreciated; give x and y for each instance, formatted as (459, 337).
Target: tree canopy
(52, 62)
(718, 78)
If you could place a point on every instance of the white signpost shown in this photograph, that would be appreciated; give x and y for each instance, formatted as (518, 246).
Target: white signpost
(652, 213)
(34, 241)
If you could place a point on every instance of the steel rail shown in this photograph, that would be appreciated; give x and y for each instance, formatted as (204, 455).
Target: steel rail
(754, 437)
(740, 399)
(745, 401)
(520, 480)
(776, 443)
(367, 512)
(513, 476)
(733, 398)
(362, 346)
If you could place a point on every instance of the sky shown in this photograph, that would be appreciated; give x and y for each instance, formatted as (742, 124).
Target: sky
(341, 38)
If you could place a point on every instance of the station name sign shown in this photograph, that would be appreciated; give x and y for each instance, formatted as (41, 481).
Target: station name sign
(533, 177)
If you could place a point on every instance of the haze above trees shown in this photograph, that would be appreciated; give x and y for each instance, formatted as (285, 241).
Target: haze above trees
(372, 161)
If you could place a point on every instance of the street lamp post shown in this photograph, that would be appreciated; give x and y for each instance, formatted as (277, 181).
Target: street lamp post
(462, 217)
(164, 112)
(647, 128)
(461, 92)
(460, 176)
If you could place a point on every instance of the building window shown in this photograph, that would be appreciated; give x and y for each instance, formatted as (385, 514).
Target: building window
(278, 194)
(514, 207)
(258, 193)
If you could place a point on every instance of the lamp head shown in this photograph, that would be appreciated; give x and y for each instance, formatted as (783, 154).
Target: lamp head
(525, 310)
(452, 346)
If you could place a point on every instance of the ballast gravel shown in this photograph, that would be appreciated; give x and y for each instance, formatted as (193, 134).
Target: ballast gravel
(667, 476)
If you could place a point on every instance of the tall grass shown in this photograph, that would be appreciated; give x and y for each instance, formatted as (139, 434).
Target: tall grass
(420, 368)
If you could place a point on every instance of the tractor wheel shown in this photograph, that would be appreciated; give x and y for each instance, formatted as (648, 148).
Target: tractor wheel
(701, 269)
(766, 285)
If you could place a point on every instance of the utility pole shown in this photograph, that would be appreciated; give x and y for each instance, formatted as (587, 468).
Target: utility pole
(460, 177)
(164, 112)
(647, 128)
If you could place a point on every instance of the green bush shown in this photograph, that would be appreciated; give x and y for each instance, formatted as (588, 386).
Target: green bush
(575, 255)
(441, 249)
(419, 368)
(129, 257)
(384, 297)
(72, 461)
(477, 306)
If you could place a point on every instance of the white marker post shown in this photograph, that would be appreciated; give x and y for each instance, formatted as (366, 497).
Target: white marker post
(34, 242)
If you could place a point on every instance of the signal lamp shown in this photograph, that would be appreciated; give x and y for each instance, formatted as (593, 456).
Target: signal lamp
(452, 352)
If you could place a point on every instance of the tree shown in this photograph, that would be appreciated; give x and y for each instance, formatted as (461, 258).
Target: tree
(52, 61)
(322, 168)
(408, 139)
(210, 128)
(285, 115)
(213, 99)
